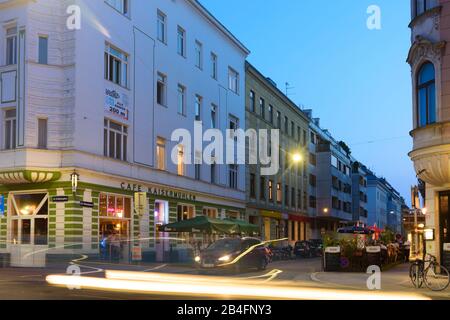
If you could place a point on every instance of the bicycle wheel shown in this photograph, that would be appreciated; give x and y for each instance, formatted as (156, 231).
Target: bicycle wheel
(436, 277)
(416, 275)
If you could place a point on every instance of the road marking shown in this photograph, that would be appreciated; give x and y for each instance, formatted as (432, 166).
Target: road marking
(156, 268)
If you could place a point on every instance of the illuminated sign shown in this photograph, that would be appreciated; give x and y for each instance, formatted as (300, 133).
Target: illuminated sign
(429, 234)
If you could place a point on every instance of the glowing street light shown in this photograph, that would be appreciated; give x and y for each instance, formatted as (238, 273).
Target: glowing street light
(297, 158)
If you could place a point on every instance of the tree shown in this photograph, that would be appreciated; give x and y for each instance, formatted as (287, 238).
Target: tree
(345, 147)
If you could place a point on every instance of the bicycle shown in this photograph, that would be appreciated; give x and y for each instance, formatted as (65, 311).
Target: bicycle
(434, 276)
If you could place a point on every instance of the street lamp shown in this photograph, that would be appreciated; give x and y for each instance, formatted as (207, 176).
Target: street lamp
(74, 178)
(297, 157)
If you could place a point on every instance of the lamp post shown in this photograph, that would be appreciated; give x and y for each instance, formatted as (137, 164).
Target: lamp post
(74, 178)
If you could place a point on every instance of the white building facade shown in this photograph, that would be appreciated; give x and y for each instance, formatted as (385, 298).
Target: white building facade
(95, 89)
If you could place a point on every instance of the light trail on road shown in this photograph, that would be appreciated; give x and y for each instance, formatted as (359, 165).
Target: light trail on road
(215, 287)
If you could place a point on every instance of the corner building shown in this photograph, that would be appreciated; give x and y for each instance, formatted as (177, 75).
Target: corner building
(86, 118)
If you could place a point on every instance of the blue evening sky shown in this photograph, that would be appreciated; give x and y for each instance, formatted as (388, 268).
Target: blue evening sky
(356, 80)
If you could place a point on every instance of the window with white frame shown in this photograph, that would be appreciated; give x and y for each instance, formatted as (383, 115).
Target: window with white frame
(160, 153)
(116, 66)
(42, 133)
(43, 50)
(181, 99)
(233, 176)
(11, 46)
(10, 123)
(198, 108)
(214, 65)
(233, 80)
(185, 212)
(120, 5)
(181, 42)
(161, 89)
(181, 161)
(161, 27)
(210, 213)
(214, 113)
(115, 143)
(198, 54)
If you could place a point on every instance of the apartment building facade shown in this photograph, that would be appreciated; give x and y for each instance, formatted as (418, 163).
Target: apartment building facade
(91, 94)
(429, 61)
(278, 203)
(337, 182)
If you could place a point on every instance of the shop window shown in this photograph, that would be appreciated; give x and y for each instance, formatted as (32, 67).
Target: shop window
(114, 206)
(29, 219)
(210, 213)
(185, 212)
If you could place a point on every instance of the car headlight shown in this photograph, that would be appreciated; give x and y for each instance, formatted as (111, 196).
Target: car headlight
(198, 259)
(225, 258)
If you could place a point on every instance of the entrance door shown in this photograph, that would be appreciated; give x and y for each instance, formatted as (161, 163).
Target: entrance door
(162, 245)
(444, 219)
(28, 229)
(114, 245)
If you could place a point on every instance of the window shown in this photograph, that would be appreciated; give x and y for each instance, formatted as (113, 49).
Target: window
(180, 165)
(262, 188)
(424, 5)
(161, 89)
(286, 125)
(198, 171)
(214, 65)
(11, 46)
(262, 108)
(198, 55)
(42, 133)
(279, 195)
(292, 129)
(185, 212)
(198, 108)
(43, 50)
(116, 66)
(252, 185)
(181, 100)
(115, 140)
(336, 203)
(119, 5)
(160, 153)
(233, 80)
(299, 134)
(213, 116)
(211, 213)
(233, 176)
(278, 119)
(181, 42)
(114, 206)
(312, 180)
(10, 129)
(286, 196)
(252, 101)
(312, 202)
(313, 138)
(313, 159)
(334, 161)
(271, 114)
(161, 27)
(270, 190)
(426, 99)
(213, 173)
(293, 197)
(304, 138)
(233, 123)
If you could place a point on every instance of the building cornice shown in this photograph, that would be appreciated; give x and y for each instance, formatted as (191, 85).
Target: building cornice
(429, 13)
(210, 17)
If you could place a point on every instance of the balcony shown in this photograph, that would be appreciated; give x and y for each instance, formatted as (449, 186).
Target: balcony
(431, 153)
(8, 85)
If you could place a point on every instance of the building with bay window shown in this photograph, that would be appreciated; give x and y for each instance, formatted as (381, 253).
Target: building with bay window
(429, 61)
(91, 92)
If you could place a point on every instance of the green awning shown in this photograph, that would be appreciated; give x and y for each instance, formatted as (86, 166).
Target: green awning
(202, 224)
(245, 227)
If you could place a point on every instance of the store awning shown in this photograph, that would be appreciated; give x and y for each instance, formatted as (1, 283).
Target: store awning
(271, 214)
(202, 224)
(245, 227)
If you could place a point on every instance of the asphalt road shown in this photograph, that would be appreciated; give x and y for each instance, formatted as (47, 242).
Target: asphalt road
(31, 284)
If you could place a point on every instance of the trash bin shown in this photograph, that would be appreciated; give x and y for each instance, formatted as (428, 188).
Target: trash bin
(446, 256)
(332, 259)
(373, 256)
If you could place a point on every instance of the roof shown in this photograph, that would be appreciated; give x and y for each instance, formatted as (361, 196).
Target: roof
(209, 16)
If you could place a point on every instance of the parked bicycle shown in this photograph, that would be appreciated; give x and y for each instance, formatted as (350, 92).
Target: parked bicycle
(434, 276)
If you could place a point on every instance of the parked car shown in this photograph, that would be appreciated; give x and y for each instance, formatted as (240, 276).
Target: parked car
(234, 254)
(303, 249)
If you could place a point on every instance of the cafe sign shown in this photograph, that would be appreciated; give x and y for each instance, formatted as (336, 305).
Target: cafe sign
(116, 104)
(159, 192)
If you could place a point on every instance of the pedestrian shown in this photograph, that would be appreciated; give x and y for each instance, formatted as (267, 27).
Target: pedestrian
(406, 250)
(115, 246)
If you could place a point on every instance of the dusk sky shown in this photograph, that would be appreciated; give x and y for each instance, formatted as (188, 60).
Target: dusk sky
(355, 79)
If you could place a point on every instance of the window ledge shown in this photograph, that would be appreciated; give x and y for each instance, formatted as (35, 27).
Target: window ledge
(426, 14)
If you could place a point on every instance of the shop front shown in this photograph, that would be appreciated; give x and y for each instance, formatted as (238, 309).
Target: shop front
(274, 225)
(299, 228)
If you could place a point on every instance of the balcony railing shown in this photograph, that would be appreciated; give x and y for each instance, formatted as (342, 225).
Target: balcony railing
(8, 84)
